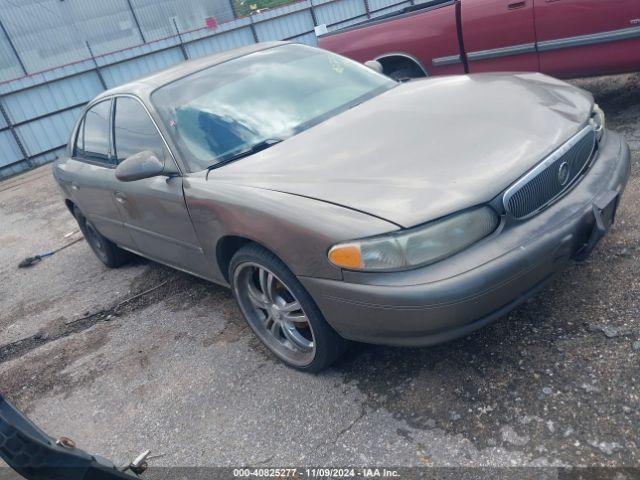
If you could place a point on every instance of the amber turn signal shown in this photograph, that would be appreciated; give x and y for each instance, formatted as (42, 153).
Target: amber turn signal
(346, 256)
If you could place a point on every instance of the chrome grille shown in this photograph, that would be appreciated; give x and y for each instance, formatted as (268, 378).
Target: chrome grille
(551, 177)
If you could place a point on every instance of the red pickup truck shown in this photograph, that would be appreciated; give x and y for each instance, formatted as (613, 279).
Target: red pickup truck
(564, 38)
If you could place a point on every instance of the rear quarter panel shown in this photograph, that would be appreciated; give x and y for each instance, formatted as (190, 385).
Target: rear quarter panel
(424, 35)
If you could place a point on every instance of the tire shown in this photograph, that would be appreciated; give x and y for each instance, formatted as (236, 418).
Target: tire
(106, 251)
(268, 295)
(405, 74)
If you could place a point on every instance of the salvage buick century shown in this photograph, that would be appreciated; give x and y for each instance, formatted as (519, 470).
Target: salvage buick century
(339, 204)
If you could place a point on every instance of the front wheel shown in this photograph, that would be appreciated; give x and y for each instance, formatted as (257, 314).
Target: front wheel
(281, 312)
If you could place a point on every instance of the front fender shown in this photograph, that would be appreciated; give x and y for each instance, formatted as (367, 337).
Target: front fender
(299, 230)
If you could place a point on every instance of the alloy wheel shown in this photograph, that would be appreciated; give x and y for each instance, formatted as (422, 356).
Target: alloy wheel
(274, 313)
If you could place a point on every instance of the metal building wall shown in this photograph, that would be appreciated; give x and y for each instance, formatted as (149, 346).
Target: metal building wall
(56, 55)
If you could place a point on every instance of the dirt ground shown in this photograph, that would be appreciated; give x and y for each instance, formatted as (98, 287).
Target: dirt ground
(147, 357)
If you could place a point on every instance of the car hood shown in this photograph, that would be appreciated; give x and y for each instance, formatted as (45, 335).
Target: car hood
(423, 149)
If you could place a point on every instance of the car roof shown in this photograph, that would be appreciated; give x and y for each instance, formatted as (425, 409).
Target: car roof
(143, 87)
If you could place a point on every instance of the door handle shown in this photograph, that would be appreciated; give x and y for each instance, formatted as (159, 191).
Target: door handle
(120, 197)
(516, 5)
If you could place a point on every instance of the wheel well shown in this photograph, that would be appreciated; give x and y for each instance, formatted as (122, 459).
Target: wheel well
(394, 63)
(226, 249)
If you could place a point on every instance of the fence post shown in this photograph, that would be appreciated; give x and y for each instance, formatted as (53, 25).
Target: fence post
(95, 65)
(135, 19)
(14, 134)
(233, 9)
(13, 48)
(184, 50)
(253, 29)
(366, 8)
(313, 13)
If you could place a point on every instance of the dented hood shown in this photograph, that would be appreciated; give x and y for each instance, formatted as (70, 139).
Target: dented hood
(425, 148)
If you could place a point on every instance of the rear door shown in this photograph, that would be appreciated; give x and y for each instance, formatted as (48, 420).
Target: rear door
(588, 37)
(499, 35)
(153, 209)
(90, 171)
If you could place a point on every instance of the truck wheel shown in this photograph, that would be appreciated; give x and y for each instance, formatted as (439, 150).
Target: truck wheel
(281, 312)
(106, 251)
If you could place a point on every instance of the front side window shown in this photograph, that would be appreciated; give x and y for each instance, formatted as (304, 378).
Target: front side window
(134, 131)
(267, 96)
(96, 132)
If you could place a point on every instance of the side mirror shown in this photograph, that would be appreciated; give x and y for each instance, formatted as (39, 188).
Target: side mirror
(141, 165)
(374, 65)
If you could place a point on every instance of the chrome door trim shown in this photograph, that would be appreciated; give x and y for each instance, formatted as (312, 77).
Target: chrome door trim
(502, 52)
(448, 60)
(591, 39)
(549, 45)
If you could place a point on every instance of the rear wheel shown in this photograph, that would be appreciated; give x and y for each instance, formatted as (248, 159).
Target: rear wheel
(281, 312)
(106, 251)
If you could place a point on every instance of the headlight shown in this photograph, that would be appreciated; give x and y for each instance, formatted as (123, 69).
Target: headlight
(418, 246)
(598, 121)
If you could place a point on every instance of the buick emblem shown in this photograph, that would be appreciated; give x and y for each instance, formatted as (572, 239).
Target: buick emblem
(563, 173)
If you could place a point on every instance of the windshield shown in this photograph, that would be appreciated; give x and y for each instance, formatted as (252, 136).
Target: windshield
(216, 114)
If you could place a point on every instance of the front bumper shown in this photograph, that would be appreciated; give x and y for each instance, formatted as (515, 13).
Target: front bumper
(453, 297)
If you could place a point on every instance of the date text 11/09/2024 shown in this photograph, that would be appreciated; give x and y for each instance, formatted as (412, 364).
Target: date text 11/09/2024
(364, 472)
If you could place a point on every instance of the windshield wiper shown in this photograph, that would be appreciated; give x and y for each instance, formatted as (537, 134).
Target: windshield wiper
(255, 148)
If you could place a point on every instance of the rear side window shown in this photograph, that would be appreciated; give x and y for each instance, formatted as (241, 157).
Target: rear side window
(96, 133)
(134, 131)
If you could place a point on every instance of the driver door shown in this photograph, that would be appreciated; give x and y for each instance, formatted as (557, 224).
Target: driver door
(153, 209)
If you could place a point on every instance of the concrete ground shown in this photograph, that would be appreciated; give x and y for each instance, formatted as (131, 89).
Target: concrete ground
(147, 357)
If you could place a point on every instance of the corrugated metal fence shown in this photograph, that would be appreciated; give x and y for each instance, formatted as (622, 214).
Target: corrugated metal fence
(56, 55)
